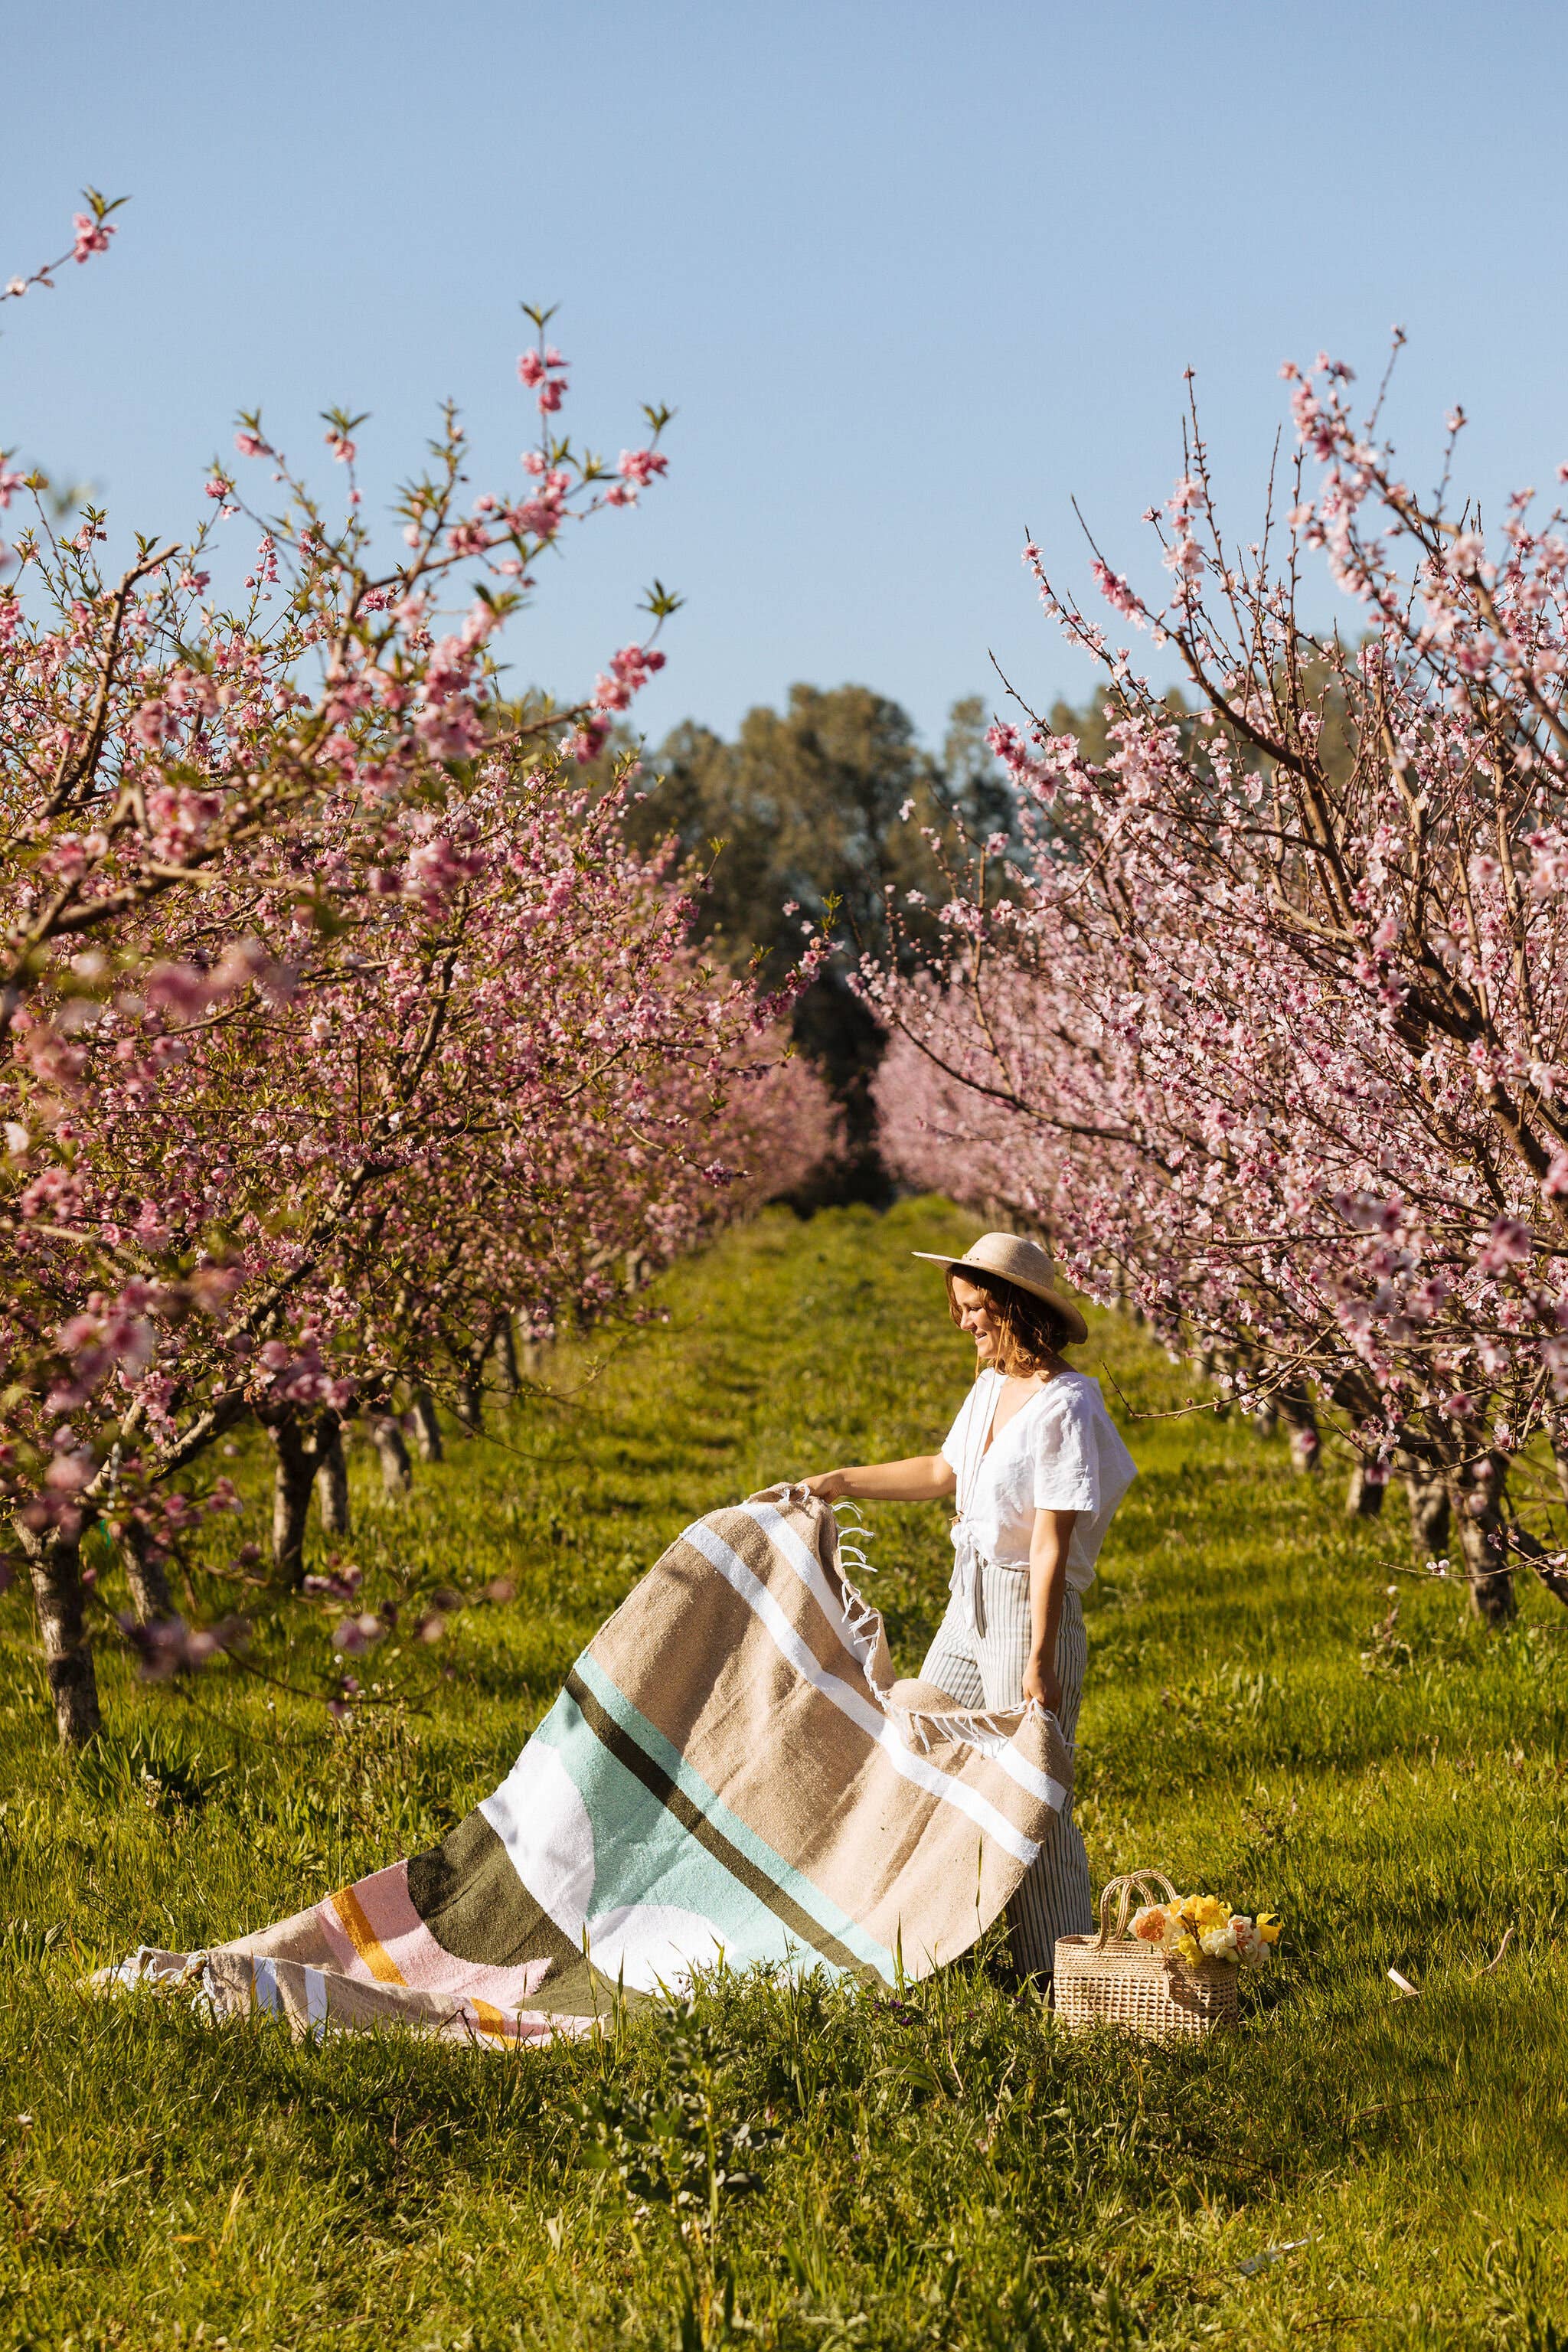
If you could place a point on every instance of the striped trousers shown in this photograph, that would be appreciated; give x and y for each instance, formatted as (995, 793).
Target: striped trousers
(985, 1669)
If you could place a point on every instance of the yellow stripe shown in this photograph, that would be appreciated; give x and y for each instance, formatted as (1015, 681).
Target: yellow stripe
(363, 1939)
(488, 2019)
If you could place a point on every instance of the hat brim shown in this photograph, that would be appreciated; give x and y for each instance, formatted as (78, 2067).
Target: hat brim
(1077, 1327)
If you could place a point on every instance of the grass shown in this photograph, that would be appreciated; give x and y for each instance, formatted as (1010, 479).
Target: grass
(943, 2168)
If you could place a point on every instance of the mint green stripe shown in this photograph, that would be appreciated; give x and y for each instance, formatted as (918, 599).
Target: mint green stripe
(669, 1759)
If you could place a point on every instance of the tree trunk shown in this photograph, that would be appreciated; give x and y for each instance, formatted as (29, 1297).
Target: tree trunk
(427, 1428)
(54, 1563)
(534, 1355)
(470, 1400)
(1363, 1499)
(293, 1475)
(506, 1357)
(333, 1479)
(1266, 1417)
(1478, 1500)
(396, 1470)
(1428, 1496)
(145, 1574)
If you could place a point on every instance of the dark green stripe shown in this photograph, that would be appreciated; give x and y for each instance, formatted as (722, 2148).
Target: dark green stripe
(468, 1893)
(624, 1748)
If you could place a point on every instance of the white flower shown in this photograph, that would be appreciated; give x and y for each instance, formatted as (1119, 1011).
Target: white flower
(1250, 1949)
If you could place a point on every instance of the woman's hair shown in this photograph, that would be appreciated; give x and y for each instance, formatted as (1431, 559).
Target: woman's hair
(1028, 1330)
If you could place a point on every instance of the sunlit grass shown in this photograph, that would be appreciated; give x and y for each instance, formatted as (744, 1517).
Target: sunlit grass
(947, 2169)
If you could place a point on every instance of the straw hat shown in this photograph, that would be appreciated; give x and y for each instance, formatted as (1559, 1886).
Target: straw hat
(1023, 1262)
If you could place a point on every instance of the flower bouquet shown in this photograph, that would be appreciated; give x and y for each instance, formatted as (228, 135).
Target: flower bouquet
(1200, 1927)
(1171, 1972)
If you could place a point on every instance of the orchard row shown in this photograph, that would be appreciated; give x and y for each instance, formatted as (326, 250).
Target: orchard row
(349, 1038)
(1259, 1007)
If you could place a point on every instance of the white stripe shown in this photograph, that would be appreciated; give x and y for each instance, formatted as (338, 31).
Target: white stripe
(997, 1746)
(860, 1711)
(805, 1564)
(1052, 1899)
(264, 1976)
(316, 1999)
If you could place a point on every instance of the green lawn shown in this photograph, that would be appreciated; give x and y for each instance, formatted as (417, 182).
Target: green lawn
(945, 2168)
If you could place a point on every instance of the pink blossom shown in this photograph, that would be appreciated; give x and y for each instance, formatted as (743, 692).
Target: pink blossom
(356, 1635)
(91, 235)
(1508, 1243)
(1116, 592)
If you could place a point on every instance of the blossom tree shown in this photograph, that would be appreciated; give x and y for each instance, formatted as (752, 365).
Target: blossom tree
(1267, 1019)
(315, 958)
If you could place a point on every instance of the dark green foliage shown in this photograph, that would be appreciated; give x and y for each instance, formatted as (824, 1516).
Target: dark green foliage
(806, 803)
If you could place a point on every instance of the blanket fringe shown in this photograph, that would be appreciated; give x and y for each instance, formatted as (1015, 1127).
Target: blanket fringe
(863, 1625)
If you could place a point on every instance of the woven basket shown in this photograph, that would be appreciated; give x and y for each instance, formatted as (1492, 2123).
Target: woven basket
(1111, 1978)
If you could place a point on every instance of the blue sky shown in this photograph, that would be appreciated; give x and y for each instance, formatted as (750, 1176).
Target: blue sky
(911, 275)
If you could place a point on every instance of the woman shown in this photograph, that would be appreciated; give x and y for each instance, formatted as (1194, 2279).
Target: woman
(1038, 1469)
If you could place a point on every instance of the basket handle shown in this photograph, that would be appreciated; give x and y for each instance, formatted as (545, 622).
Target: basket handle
(1135, 1881)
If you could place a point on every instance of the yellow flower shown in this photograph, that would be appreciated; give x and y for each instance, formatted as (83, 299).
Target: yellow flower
(1268, 1924)
(1208, 1911)
(1186, 1947)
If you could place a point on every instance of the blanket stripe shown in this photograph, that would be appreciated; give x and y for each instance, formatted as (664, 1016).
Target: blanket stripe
(363, 1936)
(861, 1711)
(829, 1919)
(706, 1832)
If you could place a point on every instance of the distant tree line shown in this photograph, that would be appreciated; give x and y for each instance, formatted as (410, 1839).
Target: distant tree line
(803, 814)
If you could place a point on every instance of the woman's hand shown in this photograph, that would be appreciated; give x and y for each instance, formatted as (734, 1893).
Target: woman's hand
(1042, 1682)
(827, 1486)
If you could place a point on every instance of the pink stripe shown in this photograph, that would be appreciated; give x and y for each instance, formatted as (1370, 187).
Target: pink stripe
(419, 1958)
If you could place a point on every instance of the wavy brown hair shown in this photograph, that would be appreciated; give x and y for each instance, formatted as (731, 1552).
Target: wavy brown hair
(1028, 1330)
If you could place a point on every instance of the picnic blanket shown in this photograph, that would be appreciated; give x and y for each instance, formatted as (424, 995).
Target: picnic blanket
(727, 1778)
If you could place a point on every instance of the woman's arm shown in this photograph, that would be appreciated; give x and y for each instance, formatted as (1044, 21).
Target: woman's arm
(924, 1478)
(1048, 1590)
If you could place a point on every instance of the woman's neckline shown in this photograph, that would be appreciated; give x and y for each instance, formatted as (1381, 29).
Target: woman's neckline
(1042, 1388)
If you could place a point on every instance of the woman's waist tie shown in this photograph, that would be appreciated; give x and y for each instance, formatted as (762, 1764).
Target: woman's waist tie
(967, 1584)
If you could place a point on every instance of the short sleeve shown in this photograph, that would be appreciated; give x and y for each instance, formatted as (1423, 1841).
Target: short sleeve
(1067, 1458)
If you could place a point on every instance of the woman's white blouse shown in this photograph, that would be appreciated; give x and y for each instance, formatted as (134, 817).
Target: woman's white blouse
(1061, 1452)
